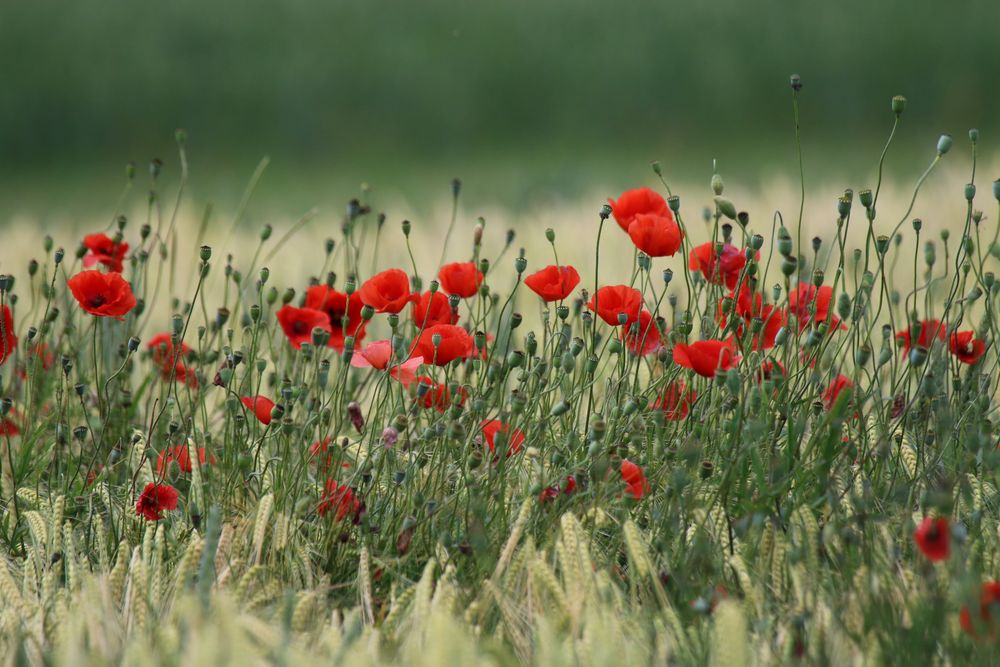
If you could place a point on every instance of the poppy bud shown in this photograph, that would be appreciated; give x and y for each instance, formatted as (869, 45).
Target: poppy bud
(898, 104)
(614, 346)
(733, 381)
(743, 218)
(725, 207)
(781, 336)
(510, 236)
(727, 232)
(515, 320)
(530, 343)
(350, 285)
(970, 191)
(32, 267)
(863, 354)
(520, 264)
(559, 409)
(784, 242)
(796, 82)
(605, 212)
(133, 344)
(389, 437)
(32, 332)
(930, 255)
(515, 359)
(58, 256)
(918, 356)
(789, 265)
(717, 184)
(80, 432)
(255, 313)
(944, 144)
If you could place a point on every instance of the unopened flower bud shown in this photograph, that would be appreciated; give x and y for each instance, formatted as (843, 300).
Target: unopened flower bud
(944, 144)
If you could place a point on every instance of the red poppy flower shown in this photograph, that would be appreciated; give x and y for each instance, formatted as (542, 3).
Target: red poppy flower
(8, 341)
(704, 357)
(461, 278)
(965, 347)
(103, 250)
(341, 500)
(182, 457)
(9, 425)
(923, 335)
(492, 427)
(155, 500)
(337, 306)
(643, 336)
(614, 301)
(261, 406)
(39, 353)
(164, 352)
(432, 309)
(379, 355)
(438, 395)
(550, 493)
(989, 599)
(631, 203)
(675, 401)
(387, 292)
(455, 343)
(750, 307)
(656, 234)
(180, 372)
(805, 299)
(933, 537)
(298, 323)
(718, 267)
(771, 370)
(635, 480)
(839, 384)
(553, 283)
(102, 294)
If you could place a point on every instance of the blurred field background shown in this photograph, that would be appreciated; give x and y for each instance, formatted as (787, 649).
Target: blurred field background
(542, 108)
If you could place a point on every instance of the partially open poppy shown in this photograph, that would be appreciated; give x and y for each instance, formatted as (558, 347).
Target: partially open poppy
(102, 249)
(617, 304)
(675, 401)
(387, 292)
(632, 203)
(811, 305)
(461, 278)
(704, 357)
(298, 323)
(656, 234)
(8, 341)
(261, 406)
(553, 283)
(102, 294)
(634, 478)
(923, 335)
(643, 336)
(839, 384)
(720, 267)
(379, 355)
(453, 342)
(340, 500)
(438, 395)
(495, 432)
(164, 351)
(432, 308)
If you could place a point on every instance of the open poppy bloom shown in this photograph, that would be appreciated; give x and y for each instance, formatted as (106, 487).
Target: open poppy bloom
(261, 406)
(643, 336)
(155, 500)
(989, 599)
(656, 234)
(379, 355)
(338, 306)
(438, 395)
(8, 341)
(617, 304)
(38, 353)
(339, 500)
(550, 493)
(298, 323)
(923, 335)
(704, 357)
(513, 438)
(966, 347)
(461, 278)
(675, 401)
(839, 384)
(632, 203)
(102, 249)
(182, 457)
(164, 351)
(453, 342)
(933, 538)
(9, 425)
(751, 307)
(553, 283)
(635, 480)
(811, 304)
(431, 309)
(720, 267)
(387, 292)
(102, 294)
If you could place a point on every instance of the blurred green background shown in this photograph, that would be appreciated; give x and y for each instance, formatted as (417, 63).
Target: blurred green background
(521, 98)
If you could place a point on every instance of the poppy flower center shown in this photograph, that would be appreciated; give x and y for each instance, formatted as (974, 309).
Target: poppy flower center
(98, 300)
(299, 327)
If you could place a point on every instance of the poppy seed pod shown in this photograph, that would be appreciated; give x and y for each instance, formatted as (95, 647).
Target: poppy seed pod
(843, 207)
(784, 241)
(550, 235)
(818, 277)
(970, 191)
(605, 212)
(520, 264)
(882, 244)
(973, 135)
(743, 218)
(944, 144)
(795, 81)
(674, 202)
(789, 265)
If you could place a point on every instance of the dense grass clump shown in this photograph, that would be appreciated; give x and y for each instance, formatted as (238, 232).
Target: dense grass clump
(757, 448)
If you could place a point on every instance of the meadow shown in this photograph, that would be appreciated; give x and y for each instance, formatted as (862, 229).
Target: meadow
(678, 423)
